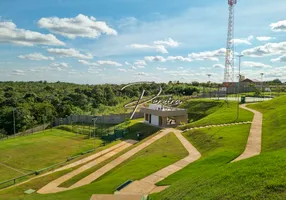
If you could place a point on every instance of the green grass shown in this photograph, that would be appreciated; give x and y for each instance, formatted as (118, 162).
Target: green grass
(149, 160)
(144, 129)
(212, 112)
(274, 123)
(100, 129)
(260, 177)
(33, 152)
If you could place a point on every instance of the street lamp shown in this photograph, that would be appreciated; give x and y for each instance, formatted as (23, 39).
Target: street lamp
(94, 120)
(262, 83)
(238, 85)
(209, 75)
(14, 121)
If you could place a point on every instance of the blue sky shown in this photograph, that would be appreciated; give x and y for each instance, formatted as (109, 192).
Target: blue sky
(121, 41)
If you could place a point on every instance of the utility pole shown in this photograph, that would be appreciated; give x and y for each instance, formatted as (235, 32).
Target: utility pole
(262, 83)
(94, 120)
(209, 75)
(238, 85)
(14, 121)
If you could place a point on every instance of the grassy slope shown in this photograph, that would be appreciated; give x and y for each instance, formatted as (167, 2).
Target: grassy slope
(40, 150)
(211, 112)
(134, 126)
(274, 123)
(260, 177)
(156, 156)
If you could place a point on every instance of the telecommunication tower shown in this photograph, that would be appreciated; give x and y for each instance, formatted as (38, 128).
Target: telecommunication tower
(229, 56)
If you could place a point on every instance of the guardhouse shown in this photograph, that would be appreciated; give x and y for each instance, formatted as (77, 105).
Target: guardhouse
(160, 115)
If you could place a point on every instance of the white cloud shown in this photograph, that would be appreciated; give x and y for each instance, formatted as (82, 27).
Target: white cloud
(255, 64)
(181, 73)
(9, 33)
(127, 22)
(127, 63)
(279, 26)
(73, 71)
(158, 48)
(140, 66)
(69, 53)
(59, 66)
(266, 50)
(122, 70)
(155, 59)
(264, 38)
(169, 42)
(279, 59)
(218, 66)
(108, 62)
(208, 55)
(18, 72)
(36, 56)
(142, 74)
(140, 62)
(80, 26)
(179, 58)
(241, 41)
(133, 67)
(246, 41)
(84, 62)
(161, 68)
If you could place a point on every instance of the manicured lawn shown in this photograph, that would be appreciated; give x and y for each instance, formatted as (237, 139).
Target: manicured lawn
(161, 153)
(211, 112)
(260, 177)
(33, 152)
(274, 123)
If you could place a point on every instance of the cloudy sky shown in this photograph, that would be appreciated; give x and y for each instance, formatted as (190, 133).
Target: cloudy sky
(121, 41)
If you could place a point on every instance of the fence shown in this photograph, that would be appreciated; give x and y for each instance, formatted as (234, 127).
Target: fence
(26, 132)
(13, 181)
(88, 119)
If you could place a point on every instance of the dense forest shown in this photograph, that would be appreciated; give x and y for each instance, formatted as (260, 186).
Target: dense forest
(34, 103)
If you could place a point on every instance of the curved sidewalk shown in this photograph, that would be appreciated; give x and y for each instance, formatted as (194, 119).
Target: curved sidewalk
(253, 146)
(147, 185)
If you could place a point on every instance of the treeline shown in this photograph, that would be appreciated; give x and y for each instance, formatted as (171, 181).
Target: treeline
(33, 103)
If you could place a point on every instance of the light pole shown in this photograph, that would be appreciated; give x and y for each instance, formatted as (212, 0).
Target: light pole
(94, 120)
(238, 85)
(262, 83)
(14, 121)
(209, 75)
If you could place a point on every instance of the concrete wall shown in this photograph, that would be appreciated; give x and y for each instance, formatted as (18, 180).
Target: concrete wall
(105, 119)
(155, 120)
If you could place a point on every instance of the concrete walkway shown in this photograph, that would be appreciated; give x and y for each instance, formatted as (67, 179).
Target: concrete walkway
(217, 125)
(53, 186)
(253, 146)
(95, 175)
(147, 185)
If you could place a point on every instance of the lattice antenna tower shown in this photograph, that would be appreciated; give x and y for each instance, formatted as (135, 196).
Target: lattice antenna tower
(229, 57)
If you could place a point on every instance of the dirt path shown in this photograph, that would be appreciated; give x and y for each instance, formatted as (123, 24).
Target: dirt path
(253, 146)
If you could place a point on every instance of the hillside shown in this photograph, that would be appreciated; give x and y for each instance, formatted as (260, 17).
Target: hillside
(260, 177)
(203, 112)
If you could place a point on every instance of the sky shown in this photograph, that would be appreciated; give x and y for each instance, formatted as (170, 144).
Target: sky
(123, 41)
